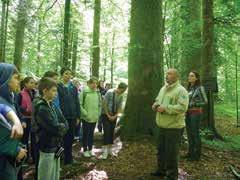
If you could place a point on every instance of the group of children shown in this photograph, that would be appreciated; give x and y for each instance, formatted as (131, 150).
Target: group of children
(49, 111)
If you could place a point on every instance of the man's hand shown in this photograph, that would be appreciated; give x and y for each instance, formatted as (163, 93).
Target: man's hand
(22, 153)
(111, 118)
(114, 118)
(77, 121)
(17, 131)
(154, 107)
(161, 109)
(24, 125)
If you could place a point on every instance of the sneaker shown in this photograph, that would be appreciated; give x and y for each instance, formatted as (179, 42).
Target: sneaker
(104, 155)
(111, 153)
(86, 154)
(92, 153)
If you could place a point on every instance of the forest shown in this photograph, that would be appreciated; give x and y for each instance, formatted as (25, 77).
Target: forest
(136, 42)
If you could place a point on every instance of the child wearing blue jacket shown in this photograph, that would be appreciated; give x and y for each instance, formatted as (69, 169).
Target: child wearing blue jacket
(10, 126)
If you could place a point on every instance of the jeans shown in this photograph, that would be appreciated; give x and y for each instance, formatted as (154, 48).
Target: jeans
(88, 133)
(48, 167)
(194, 140)
(108, 128)
(68, 141)
(168, 150)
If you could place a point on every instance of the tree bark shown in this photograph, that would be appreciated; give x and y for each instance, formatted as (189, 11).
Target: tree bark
(105, 54)
(208, 65)
(5, 33)
(96, 33)
(2, 30)
(145, 67)
(20, 29)
(208, 40)
(70, 44)
(112, 58)
(191, 37)
(75, 50)
(66, 35)
(39, 47)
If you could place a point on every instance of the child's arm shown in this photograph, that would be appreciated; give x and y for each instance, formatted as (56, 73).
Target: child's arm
(8, 147)
(17, 130)
(47, 121)
(77, 103)
(10, 115)
(61, 118)
(82, 109)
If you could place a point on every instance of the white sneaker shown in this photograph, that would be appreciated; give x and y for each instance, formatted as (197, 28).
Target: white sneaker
(86, 154)
(110, 152)
(104, 155)
(92, 153)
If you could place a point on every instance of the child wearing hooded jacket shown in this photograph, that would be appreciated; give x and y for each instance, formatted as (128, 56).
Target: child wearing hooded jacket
(90, 105)
(10, 150)
(51, 127)
(24, 100)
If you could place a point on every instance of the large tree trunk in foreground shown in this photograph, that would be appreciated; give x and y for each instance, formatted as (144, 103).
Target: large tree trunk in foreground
(191, 37)
(208, 65)
(145, 66)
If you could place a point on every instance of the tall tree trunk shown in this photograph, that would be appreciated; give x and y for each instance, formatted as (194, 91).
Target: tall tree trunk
(20, 29)
(39, 47)
(144, 66)
(2, 29)
(105, 69)
(96, 33)
(5, 33)
(61, 54)
(66, 35)
(70, 42)
(208, 65)
(226, 83)
(191, 37)
(162, 32)
(75, 49)
(236, 79)
(175, 38)
(112, 58)
(105, 59)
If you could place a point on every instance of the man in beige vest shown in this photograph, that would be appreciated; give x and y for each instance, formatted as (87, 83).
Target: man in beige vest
(170, 107)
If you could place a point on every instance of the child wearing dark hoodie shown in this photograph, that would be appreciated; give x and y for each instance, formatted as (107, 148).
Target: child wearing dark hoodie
(70, 107)
(10, 150)
(51, 127)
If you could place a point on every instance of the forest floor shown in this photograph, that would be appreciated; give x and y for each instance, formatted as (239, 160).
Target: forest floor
(137, 159)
